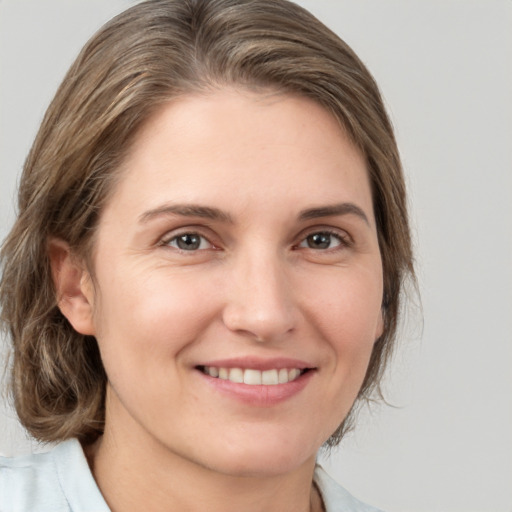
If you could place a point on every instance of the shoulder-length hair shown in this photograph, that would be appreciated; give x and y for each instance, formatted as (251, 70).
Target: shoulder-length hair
(149, 54)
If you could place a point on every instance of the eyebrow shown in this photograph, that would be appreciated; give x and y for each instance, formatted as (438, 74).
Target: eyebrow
(334, 210)
(186, 210)
(208, 212)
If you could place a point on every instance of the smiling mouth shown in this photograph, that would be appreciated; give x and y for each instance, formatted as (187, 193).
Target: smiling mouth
(254, 377)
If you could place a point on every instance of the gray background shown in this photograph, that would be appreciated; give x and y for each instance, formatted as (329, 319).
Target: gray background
(444, 68)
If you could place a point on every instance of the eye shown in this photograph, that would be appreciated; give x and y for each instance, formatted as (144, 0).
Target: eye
(188, 242)
(322, 240)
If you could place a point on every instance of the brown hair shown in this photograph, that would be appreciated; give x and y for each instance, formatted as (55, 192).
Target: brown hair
(153, 52)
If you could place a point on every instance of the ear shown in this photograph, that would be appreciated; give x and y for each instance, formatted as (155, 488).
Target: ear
(73, 286)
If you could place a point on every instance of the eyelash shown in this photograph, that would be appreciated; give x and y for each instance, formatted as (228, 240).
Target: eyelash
(166, 242)
(344, 241)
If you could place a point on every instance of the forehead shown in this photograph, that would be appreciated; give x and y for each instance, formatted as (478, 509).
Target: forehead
(241, 146)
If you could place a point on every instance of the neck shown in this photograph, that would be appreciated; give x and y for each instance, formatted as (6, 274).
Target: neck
(134, 475)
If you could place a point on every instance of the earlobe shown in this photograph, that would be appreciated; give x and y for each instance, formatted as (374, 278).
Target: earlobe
(73, 287)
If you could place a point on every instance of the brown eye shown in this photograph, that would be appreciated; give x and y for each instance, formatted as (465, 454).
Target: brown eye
(321, 240)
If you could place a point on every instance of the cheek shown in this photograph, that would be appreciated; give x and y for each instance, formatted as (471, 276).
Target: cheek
(146, 324)
(152, 315)
(347, 311)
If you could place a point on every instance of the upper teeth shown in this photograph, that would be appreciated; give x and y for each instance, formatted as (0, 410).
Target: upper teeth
(253, 377)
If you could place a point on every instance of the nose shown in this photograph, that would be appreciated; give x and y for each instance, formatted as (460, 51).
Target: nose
(260, 301)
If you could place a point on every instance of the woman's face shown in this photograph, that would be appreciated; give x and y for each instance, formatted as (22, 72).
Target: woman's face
(240, 243)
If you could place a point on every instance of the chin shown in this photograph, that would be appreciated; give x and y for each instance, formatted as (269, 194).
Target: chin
(263, 456)
(262, 466)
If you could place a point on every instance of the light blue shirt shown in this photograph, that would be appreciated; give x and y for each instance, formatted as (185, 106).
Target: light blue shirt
(61, 481)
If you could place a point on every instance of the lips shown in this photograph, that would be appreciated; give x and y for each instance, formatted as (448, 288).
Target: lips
(253, 376)
(257, 382)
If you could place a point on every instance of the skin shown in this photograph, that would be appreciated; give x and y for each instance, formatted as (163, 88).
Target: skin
(257, 286)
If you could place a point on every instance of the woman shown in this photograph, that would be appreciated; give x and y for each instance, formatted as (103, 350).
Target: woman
(206, 269)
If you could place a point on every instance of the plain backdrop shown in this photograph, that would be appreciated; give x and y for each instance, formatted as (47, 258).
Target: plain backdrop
(444, 67)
